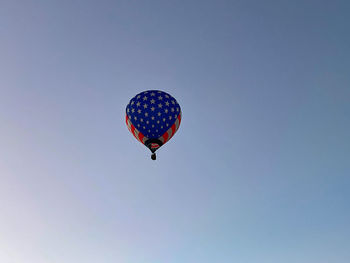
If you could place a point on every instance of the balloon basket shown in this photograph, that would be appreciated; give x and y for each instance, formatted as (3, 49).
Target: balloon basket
(153, 156)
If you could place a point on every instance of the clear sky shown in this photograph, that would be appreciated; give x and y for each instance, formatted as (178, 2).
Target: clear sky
(258, 172)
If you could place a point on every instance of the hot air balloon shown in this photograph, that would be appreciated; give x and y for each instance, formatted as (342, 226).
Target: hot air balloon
(153, 117)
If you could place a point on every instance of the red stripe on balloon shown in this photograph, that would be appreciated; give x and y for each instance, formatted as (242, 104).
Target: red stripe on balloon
(165, 136)
(132, 129)
(173, 127)
(141, 136)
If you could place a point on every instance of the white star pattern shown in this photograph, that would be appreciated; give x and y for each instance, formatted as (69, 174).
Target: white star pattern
(158, 110)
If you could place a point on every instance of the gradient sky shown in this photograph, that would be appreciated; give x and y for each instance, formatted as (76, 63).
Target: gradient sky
(258, 172)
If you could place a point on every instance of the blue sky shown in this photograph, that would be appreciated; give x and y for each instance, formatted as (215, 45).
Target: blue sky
(258, 171)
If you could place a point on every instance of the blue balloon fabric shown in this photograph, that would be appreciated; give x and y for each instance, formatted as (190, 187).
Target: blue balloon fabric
(153, 116)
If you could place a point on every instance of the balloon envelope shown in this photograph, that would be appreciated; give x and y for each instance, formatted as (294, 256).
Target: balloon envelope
(153, 117)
